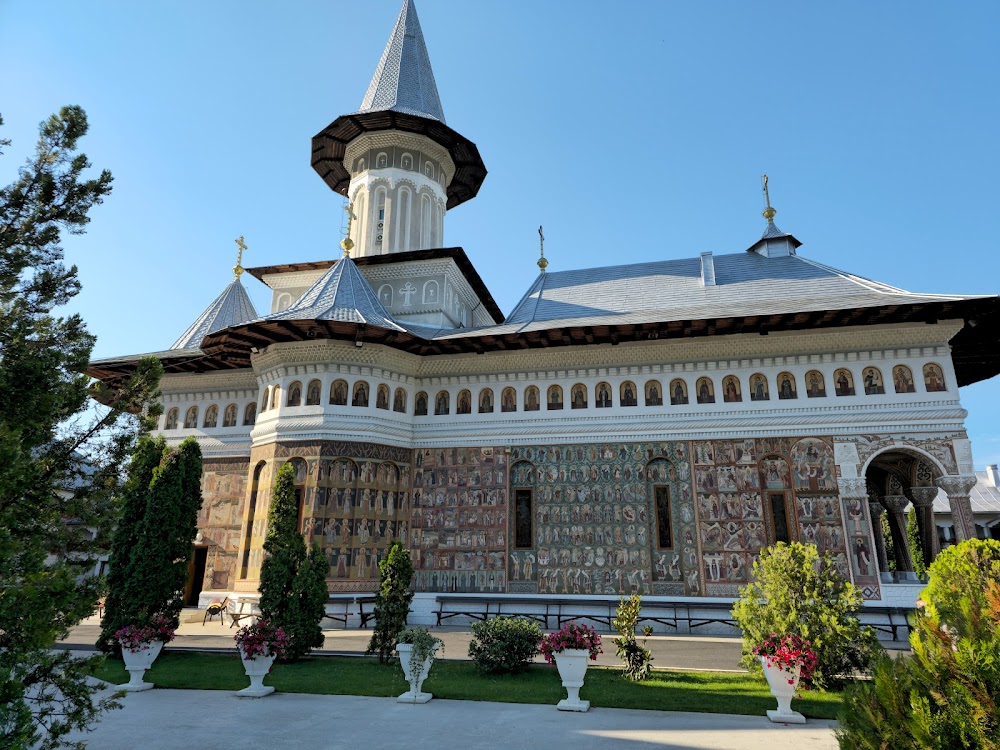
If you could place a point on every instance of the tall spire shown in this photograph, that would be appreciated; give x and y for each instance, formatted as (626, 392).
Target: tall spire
(403, 80)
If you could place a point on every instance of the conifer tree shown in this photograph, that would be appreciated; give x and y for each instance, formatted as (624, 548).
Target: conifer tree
(293, 591)
(392, 602)
(60, 457)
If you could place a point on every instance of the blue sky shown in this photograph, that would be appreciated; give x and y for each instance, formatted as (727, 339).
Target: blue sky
(633, 131)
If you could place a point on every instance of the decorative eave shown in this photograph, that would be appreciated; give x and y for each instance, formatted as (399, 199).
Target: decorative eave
(330, 145)
(455, 253)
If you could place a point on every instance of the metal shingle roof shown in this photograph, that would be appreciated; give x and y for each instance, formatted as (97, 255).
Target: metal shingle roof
(985, 498)
(403, 80)
(230, 308)
(341, 294)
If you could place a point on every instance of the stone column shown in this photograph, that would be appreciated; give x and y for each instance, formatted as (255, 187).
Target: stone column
(876, 509)
(923, 504)
(896, 504)
(958, 488)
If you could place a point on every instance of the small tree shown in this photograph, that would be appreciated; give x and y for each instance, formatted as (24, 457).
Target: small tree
(635, 656)
(293, 591)
(795, 590)
(916, 545)
(392, 601)
(947, 694)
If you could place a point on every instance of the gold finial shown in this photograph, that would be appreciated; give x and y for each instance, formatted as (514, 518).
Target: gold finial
(347, 243)
(238, 268)
(768, 212)
(542, 263)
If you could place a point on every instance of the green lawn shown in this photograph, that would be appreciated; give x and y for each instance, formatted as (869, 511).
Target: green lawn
(666, 690)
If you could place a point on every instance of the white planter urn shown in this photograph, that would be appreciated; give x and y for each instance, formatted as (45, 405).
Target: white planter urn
(572, 666)
(416, 681)
(783, 683)
(137, 661)
(256, 668)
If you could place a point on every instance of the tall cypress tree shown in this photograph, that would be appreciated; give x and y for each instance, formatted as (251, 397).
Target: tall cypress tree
(118, 610)
(292, 581)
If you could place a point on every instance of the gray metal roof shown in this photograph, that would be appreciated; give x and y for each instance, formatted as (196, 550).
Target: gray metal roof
(342, 294)
(662, 291)
(403, 80)
(985, 498)
(230, 308)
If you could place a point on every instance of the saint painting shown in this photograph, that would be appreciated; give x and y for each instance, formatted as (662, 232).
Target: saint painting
(815, 384)
(382, 397)
(678, 393)
(902, 379)
(706, 391)
(628, 394)
(464, 402)
(295, 394)
(603, 395)
(229, 419)
(758, 388)
(508, 400)
(312, 394)
(531, 399)
(420, 406)
(731, 389)
(843, 382)
(654, 395)
(486, 401)
(578, 396)
(873, 381)
(442, 404)
(338, 393)
(399, 401)
(786, 386)
(360, 394)
(933, 379)
(555, 397)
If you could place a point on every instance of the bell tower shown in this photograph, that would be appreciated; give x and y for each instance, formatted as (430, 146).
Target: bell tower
(396, 160)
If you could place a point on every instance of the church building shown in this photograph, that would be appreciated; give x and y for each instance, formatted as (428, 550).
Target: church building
(646, 427)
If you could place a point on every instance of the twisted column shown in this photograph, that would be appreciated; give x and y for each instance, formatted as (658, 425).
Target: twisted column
(958, 487)
(923, 504)
(896, 505)
(876, 509)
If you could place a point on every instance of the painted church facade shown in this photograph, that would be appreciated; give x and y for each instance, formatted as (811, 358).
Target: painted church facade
(644, 428)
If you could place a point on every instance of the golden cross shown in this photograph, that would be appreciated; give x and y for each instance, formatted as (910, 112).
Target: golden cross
(238, 268)
(347, 243)
(542, 263)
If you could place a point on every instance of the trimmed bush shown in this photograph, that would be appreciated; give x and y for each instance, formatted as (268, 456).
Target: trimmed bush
(797, 591)
(504, 645)
(635, 656)
(392, 602)
(946, 695)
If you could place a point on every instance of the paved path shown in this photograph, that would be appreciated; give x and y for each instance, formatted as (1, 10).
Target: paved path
(677, 652)
(185, 719)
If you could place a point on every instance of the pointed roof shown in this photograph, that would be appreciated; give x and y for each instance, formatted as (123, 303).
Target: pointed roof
(230, 308)
(341, 294)
(403, 80)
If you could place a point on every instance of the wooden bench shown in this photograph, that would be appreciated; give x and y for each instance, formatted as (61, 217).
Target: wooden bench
(244, 609)
(485, 606)
(888, 620)
(342, 604)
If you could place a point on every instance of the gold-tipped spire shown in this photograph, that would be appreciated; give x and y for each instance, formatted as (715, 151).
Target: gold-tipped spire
(238, 268)
(542, 263)
(347, 243)
(768, 211)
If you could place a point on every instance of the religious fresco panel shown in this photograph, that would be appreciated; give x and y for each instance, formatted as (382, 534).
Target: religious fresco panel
(223, 486)
(458, 519)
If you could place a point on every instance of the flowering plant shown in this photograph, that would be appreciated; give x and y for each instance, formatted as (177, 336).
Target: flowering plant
(137, 637)
(572, 635)
(262, 639)
(788, 652)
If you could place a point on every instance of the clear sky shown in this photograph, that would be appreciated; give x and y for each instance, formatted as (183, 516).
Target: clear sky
(632, 130)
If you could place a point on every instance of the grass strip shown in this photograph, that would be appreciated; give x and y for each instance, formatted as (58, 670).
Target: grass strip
(665, 690)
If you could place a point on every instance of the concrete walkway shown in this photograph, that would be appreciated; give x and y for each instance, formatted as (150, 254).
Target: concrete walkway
(677, 652)
(185, 719)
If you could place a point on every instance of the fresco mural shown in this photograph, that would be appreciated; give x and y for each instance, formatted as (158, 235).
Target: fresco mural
(223, 486)
(458, 519)
(593, 526)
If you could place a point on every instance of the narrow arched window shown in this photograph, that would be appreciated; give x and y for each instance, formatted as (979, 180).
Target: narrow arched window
(654, 393)
(578, 396)
(170, 423)
(229, 417)
(508, 400)
(486, 401)
(758, 387)
(705, 391)
(731, 389)
(815, 384)
(338, 393)
(872, 378)
(382, 397)
(934, 378)
(420, 405)
(628, 394)
(399, 401)
(295, 394)
(312, 393)
(265, 400)
(250, 414)
(360, 397)
(554, 398)
(902, 379)
(786, 386)
(442, 404)
(191, 418)
(843, 382)
(211, 416)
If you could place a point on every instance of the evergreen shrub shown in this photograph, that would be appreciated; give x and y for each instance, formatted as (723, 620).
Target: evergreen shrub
(392, 601)
(504, 645)
(635, 656)
(796, 591)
